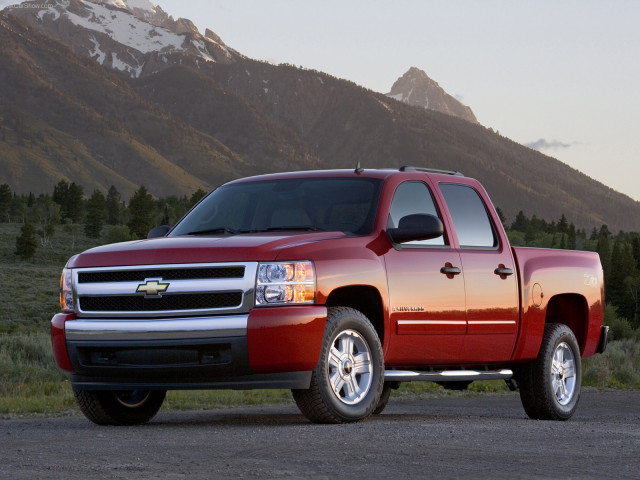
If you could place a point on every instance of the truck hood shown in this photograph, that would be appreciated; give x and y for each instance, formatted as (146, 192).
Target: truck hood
(197, 249)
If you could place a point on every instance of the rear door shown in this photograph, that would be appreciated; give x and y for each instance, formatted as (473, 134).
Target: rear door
(489, 276)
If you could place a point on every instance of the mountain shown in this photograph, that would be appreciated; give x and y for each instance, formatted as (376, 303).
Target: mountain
(131, 36)
(417, 89)
(177, 120)
(65, 117)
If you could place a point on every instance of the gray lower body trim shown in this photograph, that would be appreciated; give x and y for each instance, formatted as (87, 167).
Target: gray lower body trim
(285, 380)
(446, 375)
(169, 329)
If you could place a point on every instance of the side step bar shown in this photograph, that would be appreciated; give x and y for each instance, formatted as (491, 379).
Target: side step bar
(446, 375)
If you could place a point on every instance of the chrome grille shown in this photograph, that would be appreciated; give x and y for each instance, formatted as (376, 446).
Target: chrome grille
(190, 301)
(191, 289)
(166, 274)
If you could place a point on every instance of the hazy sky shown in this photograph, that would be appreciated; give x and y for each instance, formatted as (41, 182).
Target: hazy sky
(564, 74)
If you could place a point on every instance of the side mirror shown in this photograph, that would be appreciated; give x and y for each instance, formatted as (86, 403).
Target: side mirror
(160, 231)
(416, 227)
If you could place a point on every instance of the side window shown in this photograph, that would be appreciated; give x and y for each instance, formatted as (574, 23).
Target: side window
(469, 216)
(410, 198)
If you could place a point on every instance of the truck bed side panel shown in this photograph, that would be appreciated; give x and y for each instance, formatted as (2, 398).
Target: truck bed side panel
(546, 273)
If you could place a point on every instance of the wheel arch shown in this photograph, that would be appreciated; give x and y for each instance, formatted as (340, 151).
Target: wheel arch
(364, 298)
(570, 309)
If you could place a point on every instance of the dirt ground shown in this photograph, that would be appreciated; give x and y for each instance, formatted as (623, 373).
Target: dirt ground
(470, 437)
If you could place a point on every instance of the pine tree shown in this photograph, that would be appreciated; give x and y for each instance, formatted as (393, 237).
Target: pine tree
(69, 197)
(572, 242)
(5, 202)
(635, 248)
(114, 210)
(60, 196)
(563, 225)
(26, 243)
(96, 215)
(604, 250)
(623, 266)
(142, 209)
(633, 288)
(74, 203)
(520, 223)
(196, 197)
(18, 209)
(529, 235)
(165, 217)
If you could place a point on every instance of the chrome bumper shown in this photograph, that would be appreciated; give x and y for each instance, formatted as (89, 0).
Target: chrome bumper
(96, 329)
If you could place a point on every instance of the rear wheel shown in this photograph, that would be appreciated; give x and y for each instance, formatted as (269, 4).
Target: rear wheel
(550, 385)
(348, 380)
(132, 407)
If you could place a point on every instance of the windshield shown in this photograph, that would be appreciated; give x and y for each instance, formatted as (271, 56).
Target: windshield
(329, 204)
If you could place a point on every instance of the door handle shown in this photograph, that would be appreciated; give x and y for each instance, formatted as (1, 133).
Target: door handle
(450, 270)
(503, 272)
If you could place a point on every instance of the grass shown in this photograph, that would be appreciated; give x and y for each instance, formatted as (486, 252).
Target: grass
(30, 382)
(618, 367)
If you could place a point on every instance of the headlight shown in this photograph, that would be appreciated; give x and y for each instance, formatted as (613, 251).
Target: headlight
(66, 291)
(285, 283)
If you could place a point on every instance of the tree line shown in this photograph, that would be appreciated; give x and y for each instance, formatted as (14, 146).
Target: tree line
(68, 205)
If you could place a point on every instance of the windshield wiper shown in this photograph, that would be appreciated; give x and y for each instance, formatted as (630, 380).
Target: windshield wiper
(227, 230)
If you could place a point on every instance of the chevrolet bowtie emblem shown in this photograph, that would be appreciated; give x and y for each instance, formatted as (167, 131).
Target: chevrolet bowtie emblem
(152, 288)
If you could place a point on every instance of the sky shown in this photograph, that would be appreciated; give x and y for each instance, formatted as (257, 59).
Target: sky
(560, 76)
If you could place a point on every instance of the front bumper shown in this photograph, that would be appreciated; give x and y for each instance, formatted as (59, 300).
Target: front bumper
(266, 348)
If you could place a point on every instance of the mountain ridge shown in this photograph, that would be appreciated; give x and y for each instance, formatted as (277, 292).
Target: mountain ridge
(195, 124)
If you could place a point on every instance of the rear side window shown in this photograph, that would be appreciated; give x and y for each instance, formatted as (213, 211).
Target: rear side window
(410, 198)
(469, 215)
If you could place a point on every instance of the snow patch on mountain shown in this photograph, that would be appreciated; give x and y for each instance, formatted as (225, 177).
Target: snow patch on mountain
(126, 29)
(131, 4)
(97, 54)
(49, 11)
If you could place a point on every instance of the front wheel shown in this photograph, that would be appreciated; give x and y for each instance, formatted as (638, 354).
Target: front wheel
(347, 382)
(105, 407)
(550, 385)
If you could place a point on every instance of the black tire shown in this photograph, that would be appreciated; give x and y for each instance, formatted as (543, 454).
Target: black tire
(347, 382)
(550, 385)
(384, 399)
(105, 407)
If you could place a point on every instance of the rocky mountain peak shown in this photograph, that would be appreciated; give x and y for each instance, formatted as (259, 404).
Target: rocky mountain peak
(135, 37)
(417, 89)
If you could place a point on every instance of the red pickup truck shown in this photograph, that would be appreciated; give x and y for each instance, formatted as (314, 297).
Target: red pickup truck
(337, 285)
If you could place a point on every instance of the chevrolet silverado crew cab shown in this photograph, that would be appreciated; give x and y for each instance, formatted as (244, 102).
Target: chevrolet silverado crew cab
(337, 285)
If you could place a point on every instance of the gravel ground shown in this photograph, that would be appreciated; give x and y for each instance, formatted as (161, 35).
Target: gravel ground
(463, 437)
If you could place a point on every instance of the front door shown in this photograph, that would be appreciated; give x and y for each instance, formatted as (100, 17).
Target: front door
(426, 289)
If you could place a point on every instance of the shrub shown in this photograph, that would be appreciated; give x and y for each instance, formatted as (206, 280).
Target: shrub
(619, 327)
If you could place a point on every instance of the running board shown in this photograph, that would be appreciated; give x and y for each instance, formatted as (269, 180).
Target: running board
(446, 375)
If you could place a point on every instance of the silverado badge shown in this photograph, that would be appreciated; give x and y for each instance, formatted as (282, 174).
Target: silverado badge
(152, 288)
